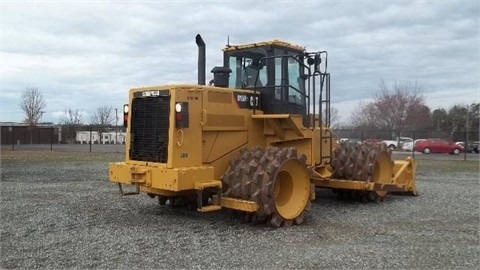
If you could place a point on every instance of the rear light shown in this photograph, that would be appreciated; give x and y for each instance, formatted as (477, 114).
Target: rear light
(181, 115)
(125, 115)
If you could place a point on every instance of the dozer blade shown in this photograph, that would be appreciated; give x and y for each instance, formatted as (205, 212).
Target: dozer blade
(404, 175)
(368, 171)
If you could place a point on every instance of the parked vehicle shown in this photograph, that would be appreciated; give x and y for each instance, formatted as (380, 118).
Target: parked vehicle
(472, 147)
(373, 141)
(351, 140)
(408, 146)
(438, 146)
(394, 144)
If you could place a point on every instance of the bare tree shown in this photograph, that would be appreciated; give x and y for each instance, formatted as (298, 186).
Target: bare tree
(400, 107)
(439, 119)
(457, 118)
(102, 118)
(71, 121)
(334, 117)
(419, 116)
(366, 116)
(473, 113)
(72, 117)
(32, 105)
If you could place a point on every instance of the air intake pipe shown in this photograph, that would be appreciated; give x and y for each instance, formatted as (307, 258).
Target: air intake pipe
(202, 62)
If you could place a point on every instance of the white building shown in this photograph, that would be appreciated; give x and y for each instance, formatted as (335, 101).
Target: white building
(113, 137)
(85, 137)
(110, 137)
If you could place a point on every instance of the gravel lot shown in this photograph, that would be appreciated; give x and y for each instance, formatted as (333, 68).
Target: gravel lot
(58, 210)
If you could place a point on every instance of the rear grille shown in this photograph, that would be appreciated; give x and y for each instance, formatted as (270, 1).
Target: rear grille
(149, 129)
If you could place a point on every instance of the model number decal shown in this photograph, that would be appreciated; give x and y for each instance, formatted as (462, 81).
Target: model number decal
(253, 101)
(247, 100)
(150, 93)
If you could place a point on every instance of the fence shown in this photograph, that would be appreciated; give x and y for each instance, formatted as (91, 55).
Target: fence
(42, 137)
(91, 138)
(11, 135)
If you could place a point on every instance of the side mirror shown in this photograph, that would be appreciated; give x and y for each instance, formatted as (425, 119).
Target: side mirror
(317, 61)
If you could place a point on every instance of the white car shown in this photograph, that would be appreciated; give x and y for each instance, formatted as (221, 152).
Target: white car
(394, 144)
(408, 146)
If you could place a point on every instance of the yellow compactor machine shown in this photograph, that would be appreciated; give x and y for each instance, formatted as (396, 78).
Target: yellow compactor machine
(256, 139)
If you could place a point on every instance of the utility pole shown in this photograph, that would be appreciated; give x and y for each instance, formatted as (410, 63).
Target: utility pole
(466, 139)
(116, 124)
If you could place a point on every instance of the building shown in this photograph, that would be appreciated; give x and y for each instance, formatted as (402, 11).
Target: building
(111, 137)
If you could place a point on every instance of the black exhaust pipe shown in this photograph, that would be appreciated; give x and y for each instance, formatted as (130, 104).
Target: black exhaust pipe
(202, 62)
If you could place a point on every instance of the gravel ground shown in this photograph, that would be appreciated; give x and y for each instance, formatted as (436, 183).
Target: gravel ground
(58, 210)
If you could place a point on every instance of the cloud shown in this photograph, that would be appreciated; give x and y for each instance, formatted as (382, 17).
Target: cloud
(88, 54)
(60, 116)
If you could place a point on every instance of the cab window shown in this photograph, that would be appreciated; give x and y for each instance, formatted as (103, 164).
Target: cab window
(247, 72)
(294, 94)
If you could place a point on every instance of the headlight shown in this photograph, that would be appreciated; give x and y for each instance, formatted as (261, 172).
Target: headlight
(178, 107)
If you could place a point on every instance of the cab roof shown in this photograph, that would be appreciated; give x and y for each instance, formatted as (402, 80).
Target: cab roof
(275, 43)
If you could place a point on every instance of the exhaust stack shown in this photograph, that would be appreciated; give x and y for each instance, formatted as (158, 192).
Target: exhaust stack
(201, 60)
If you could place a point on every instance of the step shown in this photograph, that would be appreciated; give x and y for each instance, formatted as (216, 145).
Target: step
(210, 184)
(209, 208)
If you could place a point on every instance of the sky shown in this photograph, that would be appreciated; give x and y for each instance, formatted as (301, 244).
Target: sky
(87, 54)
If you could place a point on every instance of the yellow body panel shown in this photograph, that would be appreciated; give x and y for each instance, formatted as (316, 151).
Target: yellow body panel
(217, 130)
(214, 143)
(158, 176)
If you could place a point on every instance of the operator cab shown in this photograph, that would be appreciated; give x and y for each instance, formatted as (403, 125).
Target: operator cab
(273, 68)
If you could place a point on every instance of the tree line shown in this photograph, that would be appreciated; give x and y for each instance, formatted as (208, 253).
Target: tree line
(400, 106)
(33, 105)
